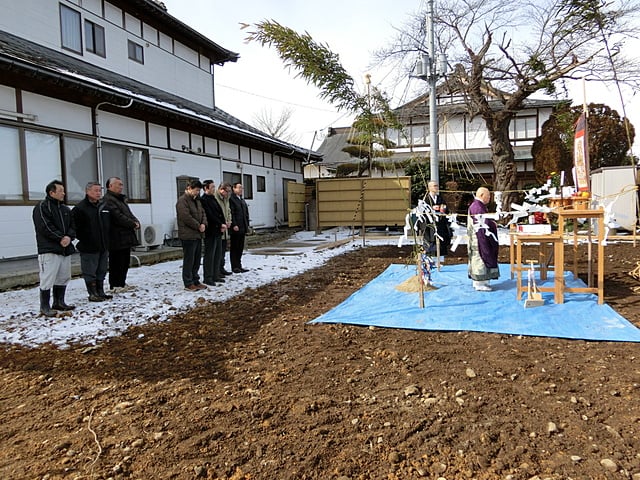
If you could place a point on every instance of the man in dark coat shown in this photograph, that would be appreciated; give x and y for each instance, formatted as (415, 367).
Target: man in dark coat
(192, 223)
(92, 224)
(55, 231)
(216, 226)
(441, 225)
(239, 227)
(122, 234)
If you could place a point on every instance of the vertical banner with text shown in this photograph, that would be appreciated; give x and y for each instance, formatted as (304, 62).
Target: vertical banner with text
(581, 154)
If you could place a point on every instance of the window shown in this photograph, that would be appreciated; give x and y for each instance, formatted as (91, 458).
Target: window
(261, 183)
(419, 134)
(70, 29)
(33, 158)
(80, 166)
(43, 161)
(393, 136)
(132, 166)
(182, 182)
(525, 128)
(231, 177)
(247, 183)
(11, 178)
(94, 38)
(136, 52)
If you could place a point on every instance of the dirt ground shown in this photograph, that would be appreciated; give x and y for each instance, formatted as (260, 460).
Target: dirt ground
(247, 390)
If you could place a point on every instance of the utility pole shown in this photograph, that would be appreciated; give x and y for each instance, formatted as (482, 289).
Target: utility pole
(430, 68)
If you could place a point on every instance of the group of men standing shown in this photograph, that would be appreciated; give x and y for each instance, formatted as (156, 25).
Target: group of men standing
(220, 216)
(106, 231)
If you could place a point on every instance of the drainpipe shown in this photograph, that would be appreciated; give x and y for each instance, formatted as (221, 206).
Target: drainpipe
(99, 137)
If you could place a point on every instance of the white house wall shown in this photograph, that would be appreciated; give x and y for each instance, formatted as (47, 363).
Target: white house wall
(119, 127)
(266, 208)
(228, 150)
(197, 142)
(165, 168)
(211, 146)
(17, 233)
(177, 138)
(57, 113)
(7, 98)
(182, 73)
(169, 66)
(93, 6)
(39, 29)
(158, 136)
(453, 136)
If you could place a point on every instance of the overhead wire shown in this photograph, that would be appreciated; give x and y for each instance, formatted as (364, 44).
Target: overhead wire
(276, 99)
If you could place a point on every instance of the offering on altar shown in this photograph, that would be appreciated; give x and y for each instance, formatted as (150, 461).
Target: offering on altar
(560, 202)
(581, 200)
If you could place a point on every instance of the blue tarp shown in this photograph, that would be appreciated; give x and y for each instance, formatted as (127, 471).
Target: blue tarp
(456, 306)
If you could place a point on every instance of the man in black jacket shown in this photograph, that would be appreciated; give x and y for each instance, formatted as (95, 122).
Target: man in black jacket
(439, 230)
(92, 227)
(122, 234)
(239, 227)
(216, 226)
(55, 231)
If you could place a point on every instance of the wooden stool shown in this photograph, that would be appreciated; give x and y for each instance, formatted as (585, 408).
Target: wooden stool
(518, 240)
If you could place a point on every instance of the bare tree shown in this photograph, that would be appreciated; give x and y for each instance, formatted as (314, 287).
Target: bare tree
(510, 50)
(278, 126)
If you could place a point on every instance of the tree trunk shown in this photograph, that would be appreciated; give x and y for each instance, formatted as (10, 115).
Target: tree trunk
(503, 158)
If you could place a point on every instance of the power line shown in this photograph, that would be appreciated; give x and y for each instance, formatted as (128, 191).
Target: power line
(275, 99)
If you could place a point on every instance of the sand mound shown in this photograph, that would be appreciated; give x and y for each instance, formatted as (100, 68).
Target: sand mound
(412, 285)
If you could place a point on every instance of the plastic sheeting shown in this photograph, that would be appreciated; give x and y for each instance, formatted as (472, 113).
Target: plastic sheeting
(456, 306)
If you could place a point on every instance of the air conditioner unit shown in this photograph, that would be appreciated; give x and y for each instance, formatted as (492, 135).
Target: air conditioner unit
(149, 236)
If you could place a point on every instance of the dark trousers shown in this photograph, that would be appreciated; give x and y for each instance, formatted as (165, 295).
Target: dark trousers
(212, 258)
(94, 266)
(223, 251)
(119, 261)
(191, 254)
(235, 250)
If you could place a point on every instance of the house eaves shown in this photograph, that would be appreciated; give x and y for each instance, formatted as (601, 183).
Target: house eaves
(155, 14)
(30, 66)
(421, 108)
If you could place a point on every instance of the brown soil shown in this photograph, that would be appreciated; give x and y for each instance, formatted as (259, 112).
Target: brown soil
(247, 390)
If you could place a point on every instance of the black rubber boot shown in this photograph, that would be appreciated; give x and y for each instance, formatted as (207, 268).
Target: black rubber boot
(93, 292)
(100, 290)
(45, 309)
(58, 299)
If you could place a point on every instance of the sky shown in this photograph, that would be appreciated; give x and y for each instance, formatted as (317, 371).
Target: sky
(353, 29)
